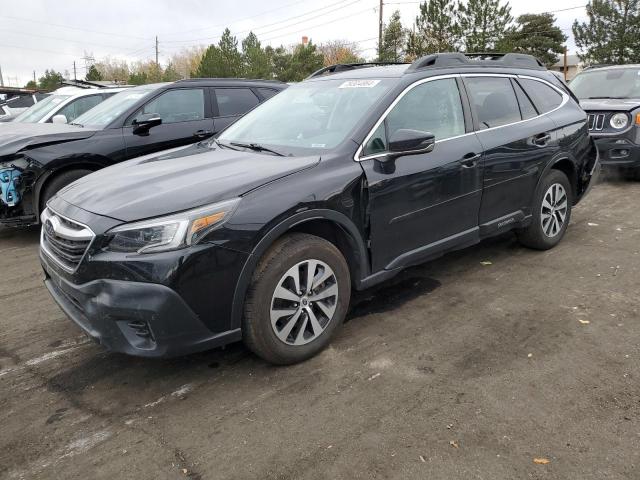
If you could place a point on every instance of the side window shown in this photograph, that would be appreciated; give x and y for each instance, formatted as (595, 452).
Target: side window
(377, 143)
(494, 100)
(77, 107)
(235, 101)
(267, 93)
(526, 107)
(544, 97)
(179, 105)
(431, 107)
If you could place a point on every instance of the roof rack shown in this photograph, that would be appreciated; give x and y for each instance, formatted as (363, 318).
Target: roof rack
(483, 59)
(234, 79)
(91, 84)
(343, 67)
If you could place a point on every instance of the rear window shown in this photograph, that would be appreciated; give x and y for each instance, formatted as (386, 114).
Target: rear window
(235, 101)
(526, 107)
(494, 101)
(267, 92)
(544, 97)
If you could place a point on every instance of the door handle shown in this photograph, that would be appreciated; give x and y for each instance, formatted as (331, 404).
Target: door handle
(203, 133)
(542, 139)
(470, 160)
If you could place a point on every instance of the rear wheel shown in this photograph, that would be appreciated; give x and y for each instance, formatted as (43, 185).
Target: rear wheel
(58, 182)
(551, 213)
(298, 298)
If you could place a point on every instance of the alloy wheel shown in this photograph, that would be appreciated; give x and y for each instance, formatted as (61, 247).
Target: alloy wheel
(304, 302)
(554, 210)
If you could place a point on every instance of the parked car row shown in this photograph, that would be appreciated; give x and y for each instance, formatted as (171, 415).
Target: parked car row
(14, 105)
(261, 232)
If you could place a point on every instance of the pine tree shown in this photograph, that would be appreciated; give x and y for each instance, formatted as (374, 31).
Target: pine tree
(483, 23)
(93, 74)
(170, 74)
(536, 35)
(305, 59)
(612, 33)
(393, 40)
(221, 61)
(256, 62)
(50, 80)
(435, 29)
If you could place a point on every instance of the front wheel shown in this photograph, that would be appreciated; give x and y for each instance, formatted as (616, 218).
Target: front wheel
(58, 182)
(551, 213)
(298, 298)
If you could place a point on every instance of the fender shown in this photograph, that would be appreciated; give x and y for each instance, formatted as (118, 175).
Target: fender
(276, 232)
(84, 164)
(560, 156)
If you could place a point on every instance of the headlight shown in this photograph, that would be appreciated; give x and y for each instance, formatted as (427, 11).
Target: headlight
(619, 121)
(170, 232)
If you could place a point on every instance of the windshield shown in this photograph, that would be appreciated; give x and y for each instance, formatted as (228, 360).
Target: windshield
(607, 83)
(309, 116)
(107, 111)
(37, 112)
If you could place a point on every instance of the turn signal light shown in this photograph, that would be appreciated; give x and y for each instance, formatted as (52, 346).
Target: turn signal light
(638, 119)
(205, 222)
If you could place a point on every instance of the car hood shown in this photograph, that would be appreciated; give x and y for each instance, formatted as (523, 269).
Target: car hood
(179, 180)
(15, 137)
(610, 104)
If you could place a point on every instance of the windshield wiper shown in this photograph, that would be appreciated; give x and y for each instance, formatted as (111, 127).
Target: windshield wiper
(257, 147)
(606, 98)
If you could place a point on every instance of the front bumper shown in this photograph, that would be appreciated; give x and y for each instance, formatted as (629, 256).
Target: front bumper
(137, 318)
(618, 153)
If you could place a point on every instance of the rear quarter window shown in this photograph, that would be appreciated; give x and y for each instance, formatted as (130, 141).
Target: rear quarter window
(543, 96)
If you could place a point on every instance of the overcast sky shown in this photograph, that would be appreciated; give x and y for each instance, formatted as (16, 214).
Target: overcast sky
(41, 34)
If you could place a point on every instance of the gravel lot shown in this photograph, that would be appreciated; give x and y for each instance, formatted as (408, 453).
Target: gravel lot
(457, 369)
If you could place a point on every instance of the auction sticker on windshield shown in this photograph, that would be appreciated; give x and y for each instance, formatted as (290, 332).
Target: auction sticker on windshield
(359, 84)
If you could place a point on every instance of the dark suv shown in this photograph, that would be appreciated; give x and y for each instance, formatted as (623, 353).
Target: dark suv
(611, 97)
(339, 182)
(37, 160)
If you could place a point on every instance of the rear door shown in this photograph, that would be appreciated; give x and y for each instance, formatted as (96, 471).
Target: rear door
(230, 103)
(421, 204)
(186, 118)
(518, 142)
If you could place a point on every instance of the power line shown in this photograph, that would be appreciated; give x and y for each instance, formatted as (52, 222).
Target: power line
(260, 27)
(72, 27)
(237, 21)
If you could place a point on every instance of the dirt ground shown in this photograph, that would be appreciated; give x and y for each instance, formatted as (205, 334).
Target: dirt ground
(457, 369)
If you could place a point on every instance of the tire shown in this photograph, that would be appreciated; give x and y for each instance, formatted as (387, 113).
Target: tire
(632, 174)
(274, 317)
(545, 235)
(58, 182)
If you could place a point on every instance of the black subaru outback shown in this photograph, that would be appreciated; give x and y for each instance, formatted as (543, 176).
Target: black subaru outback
(611, 97)
(339, 182)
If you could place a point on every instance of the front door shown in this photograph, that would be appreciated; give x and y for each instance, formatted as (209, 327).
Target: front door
(422, 204)
(185, 116)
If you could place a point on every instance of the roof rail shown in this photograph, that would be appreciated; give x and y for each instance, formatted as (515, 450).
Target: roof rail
(342, 67)
(91, 84)
(444, 60)
(234, 79)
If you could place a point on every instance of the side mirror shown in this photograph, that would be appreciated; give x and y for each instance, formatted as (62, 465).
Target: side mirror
(411, 142)
(143, 123)
(59, 119)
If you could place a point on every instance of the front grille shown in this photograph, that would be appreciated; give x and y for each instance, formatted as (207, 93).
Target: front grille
(64, 240)
(596, 121)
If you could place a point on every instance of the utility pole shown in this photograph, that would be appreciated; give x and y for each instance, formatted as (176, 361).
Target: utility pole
(1, 79)
(157, 64)
(565, 64)
(380, 31)
(34, 77)
(74, 71)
